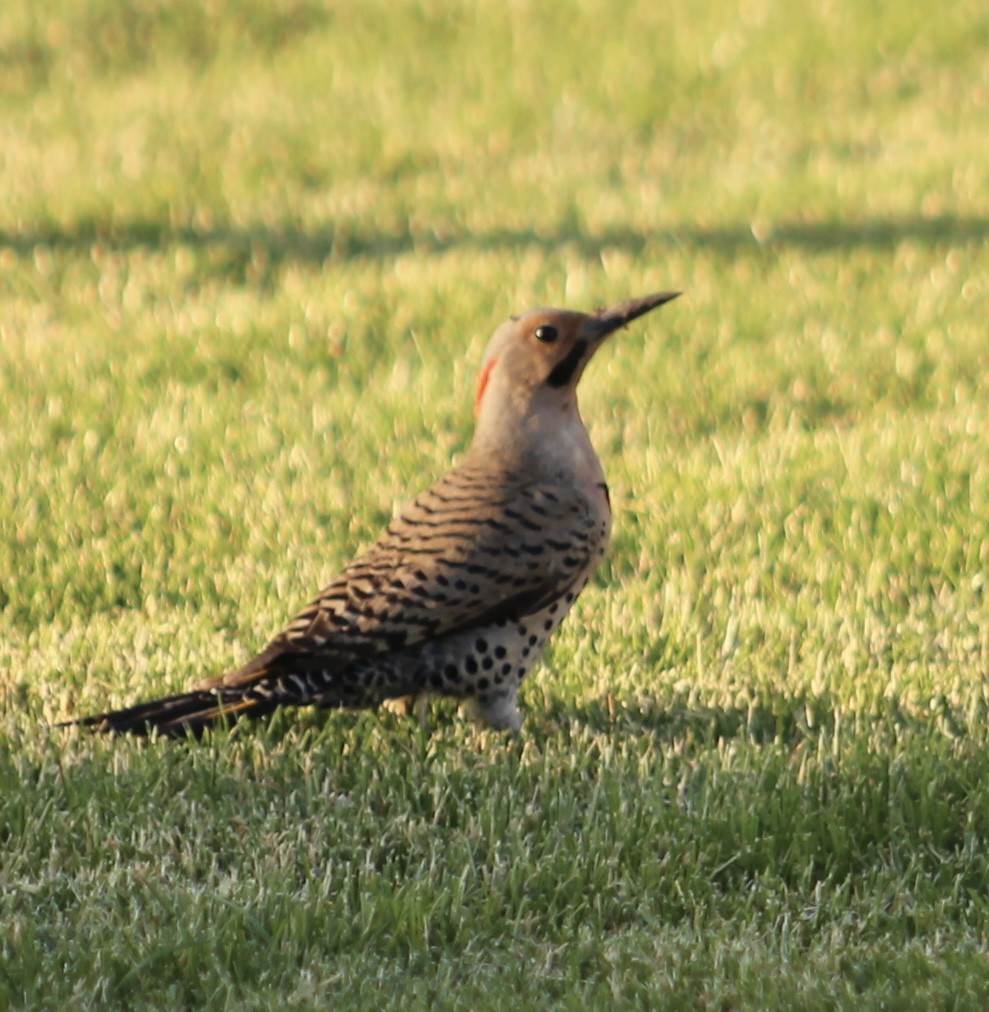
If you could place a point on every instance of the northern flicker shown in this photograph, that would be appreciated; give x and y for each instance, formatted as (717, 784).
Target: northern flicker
(463, 589)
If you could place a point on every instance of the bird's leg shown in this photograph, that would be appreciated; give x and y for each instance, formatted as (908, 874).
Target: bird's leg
(421, 708)
(499, 712)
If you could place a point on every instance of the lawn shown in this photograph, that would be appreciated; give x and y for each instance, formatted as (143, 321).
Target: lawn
(250, 255)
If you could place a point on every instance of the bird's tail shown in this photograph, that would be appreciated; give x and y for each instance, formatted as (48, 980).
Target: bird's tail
(188, 713)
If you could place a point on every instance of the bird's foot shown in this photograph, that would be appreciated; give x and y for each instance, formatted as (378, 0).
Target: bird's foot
(406, 706)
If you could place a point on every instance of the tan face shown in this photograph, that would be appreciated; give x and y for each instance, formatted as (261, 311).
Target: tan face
(543, 346)
(549, 348)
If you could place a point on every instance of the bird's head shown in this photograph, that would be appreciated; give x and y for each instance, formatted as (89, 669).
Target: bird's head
(534, 362)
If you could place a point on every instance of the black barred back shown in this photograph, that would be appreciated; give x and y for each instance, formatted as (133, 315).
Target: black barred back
(478, 549)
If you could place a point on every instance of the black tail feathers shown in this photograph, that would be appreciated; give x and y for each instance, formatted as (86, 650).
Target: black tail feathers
(180, 716)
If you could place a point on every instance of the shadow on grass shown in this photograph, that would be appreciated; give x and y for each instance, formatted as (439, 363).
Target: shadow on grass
(782, 719)
(240, 245)
(786, 720)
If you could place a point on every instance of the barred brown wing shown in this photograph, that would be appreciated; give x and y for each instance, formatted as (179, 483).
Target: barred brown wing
(476, 548)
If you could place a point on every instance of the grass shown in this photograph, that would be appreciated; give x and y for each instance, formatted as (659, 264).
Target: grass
(250, 254)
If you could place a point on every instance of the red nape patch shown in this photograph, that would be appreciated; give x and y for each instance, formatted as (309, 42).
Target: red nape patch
(482, 384)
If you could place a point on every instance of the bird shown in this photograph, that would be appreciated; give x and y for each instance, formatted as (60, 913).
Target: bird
(463, 589)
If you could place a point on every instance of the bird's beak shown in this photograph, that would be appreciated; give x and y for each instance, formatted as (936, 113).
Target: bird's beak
(604, 321)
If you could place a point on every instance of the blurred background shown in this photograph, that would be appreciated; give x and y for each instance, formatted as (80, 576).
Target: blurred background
(250, 254)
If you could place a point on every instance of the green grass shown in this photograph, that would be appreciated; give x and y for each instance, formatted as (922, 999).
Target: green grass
(250, 254)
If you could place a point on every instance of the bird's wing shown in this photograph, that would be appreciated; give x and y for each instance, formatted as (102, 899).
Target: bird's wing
(470, 551)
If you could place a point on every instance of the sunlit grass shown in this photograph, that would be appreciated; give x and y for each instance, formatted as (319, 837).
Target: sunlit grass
(250, 255)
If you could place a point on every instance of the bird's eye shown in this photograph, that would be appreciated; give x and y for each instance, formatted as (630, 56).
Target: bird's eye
(546, 333)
